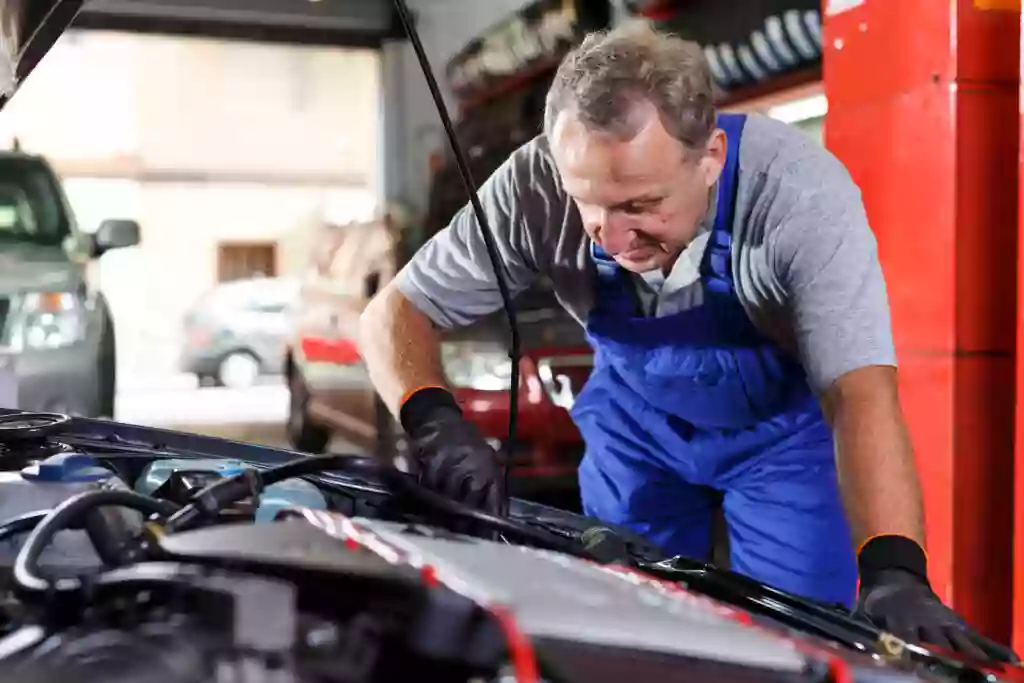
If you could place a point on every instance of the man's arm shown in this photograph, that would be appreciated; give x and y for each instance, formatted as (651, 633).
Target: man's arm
(401, 347)
(825, 257)
(825, 260)
(877, 472)
(450, 282)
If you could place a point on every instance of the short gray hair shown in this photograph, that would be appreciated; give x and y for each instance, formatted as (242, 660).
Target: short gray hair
(612, 70)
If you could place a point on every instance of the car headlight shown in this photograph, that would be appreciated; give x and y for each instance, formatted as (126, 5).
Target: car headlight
(474, 365)
(49, 320)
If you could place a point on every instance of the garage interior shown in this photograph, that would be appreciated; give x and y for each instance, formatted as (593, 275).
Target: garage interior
(239, 134)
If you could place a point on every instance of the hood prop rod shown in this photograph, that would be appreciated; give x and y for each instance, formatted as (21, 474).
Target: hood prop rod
(500, 273)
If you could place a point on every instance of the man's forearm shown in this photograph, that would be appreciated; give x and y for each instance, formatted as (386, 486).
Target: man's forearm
(400, 346)
(877, 472)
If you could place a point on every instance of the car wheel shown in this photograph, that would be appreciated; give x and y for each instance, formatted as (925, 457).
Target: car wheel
(303, 434)
(107, 390)
(238, 370)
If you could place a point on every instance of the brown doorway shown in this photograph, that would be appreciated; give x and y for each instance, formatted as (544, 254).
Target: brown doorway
(243, 260)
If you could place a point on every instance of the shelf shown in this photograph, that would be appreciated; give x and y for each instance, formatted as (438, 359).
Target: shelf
(518, 81)
(768, 87)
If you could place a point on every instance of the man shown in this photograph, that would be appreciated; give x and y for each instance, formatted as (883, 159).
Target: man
(728, 280)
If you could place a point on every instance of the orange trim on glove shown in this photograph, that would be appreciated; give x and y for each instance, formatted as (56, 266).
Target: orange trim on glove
(873, 537)
(407, 395)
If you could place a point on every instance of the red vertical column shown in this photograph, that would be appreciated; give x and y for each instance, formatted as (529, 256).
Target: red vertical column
(923, 111)
(1018, 539)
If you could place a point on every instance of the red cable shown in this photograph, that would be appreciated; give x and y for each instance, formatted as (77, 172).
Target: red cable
(521, 652)
(839, 669)
(524, 659)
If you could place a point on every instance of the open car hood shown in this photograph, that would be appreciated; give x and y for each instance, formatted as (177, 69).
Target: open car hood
(28, 29)
(540, 595)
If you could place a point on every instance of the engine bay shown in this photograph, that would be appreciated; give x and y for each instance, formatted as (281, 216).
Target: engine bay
(134, 554)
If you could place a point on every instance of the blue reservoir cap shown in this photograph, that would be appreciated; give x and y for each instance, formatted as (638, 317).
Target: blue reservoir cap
(229, 468)
(67, 467)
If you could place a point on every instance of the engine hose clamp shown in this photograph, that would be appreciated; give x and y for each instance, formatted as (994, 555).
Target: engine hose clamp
(891, 645)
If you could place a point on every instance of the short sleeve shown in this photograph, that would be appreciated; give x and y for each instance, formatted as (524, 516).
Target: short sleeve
(825, 256)
(451, 278)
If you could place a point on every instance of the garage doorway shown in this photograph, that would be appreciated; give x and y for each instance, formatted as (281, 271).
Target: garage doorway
(244, 260)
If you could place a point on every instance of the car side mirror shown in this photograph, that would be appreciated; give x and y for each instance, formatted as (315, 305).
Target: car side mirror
(115, 233)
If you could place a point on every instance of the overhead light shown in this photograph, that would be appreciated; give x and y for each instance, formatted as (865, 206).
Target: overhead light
(805, 108)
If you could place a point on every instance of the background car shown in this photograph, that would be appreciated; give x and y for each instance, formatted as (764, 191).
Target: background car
(237, 332)
(331, 394)
(58, 341)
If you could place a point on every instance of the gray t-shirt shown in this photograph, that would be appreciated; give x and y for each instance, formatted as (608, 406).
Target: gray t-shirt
(804, 258)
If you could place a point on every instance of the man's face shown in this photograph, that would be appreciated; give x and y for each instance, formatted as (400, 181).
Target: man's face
(641, 199)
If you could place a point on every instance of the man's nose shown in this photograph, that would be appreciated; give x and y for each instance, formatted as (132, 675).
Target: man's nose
(616, 236)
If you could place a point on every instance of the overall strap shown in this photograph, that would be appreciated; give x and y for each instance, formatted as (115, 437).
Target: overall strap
(614, 287)
(717, 265)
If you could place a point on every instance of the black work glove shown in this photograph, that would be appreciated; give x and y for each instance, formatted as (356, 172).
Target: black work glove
(895, 595)
(453, 458)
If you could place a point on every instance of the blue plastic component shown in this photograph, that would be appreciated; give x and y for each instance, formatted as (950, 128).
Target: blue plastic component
(289, 493)
(67, 468)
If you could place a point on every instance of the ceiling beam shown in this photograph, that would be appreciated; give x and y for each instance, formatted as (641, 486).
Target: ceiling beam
(352, 23)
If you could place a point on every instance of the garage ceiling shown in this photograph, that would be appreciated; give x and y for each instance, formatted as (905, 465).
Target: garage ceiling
(328, 22)
(28, 28)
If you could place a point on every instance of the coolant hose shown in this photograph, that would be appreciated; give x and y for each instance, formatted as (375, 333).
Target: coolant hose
(27, 582)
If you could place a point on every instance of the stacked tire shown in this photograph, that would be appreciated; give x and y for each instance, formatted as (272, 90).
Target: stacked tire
(785, 41)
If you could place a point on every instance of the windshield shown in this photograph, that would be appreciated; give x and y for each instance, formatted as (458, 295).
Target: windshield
(30, 207)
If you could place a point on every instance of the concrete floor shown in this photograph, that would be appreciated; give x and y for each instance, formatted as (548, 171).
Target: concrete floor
(255, 415)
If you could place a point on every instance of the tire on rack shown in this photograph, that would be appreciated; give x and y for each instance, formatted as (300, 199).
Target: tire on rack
(303, 433)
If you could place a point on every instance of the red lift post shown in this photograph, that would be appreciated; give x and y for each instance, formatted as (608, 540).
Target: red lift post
(1018, 537)
(923, 111)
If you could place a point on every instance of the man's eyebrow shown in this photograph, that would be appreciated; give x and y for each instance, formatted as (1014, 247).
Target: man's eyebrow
(650, 198)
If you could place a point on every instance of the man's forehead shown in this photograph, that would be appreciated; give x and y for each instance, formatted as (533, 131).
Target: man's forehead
(583, 152)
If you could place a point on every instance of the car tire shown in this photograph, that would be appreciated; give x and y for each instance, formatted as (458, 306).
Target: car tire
(106, 398)
(303, 434)
(238, 370)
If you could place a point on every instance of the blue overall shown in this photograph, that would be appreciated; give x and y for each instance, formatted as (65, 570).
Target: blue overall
(689, 410)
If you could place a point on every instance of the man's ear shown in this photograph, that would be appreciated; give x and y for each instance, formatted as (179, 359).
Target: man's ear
(713, 161)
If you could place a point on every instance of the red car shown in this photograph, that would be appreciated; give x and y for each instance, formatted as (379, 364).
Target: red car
(331, 395)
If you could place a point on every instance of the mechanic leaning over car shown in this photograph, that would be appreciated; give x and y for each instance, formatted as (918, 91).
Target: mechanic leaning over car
(729, 282)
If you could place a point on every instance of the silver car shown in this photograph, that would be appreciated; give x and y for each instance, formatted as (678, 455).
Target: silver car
(57, 340)
(236, 333)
